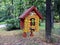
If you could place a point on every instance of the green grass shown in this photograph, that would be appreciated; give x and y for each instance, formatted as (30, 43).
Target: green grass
(42, 27)
(56, 26)
(2, 23)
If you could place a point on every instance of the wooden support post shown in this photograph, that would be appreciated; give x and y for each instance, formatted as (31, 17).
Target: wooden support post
(31, 33)
(24, 34)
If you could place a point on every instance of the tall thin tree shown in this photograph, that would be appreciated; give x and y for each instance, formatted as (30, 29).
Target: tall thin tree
(12, 5)
(48, 20)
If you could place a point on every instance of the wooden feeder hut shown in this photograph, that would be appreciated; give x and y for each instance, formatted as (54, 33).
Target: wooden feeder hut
(29, 20)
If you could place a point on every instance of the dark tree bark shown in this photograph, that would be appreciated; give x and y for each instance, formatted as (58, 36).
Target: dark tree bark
(57, 7)
(12, 2)
(59, 16)
(48, 20)
(12, 5)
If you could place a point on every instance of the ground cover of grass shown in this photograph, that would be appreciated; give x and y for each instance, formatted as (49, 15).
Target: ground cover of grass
(2, 23)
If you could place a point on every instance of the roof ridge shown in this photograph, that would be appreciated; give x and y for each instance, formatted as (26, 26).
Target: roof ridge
(33, 8)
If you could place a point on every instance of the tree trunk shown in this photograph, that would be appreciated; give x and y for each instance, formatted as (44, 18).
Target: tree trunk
(48, 20)
(59, 16)
(12, 5)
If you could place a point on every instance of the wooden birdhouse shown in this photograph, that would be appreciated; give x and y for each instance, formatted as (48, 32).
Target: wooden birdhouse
(29, 20)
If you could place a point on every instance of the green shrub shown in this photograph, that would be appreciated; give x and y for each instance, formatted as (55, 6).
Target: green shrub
(13, 24)
(56, 18)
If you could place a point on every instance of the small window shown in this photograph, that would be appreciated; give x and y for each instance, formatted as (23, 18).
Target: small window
(32, 21)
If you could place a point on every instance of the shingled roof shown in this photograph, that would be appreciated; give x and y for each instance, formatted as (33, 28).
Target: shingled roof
(33, 8)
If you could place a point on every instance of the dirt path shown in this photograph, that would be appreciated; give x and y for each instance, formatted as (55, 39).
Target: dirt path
(15, 38)
(12, 38)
